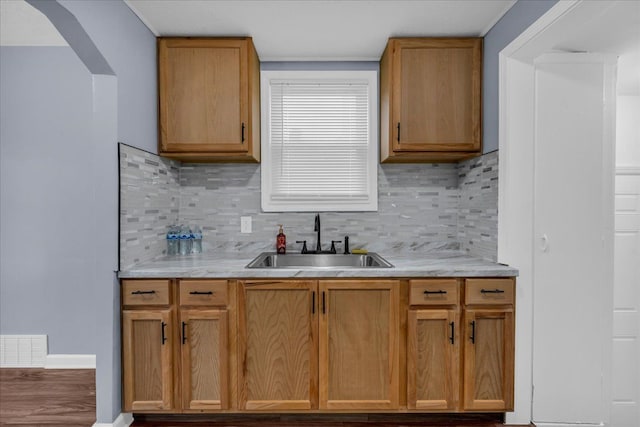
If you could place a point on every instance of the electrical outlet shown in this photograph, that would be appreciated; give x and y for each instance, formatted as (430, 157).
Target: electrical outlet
(245, 224)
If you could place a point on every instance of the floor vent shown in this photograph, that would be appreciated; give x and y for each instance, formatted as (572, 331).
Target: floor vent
(23, 351)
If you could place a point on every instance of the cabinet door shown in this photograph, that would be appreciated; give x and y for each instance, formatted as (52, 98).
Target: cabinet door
(488, 359)
(277, 345)
(433, 357)
(437, 95)
(203, 95)
(359, 344)
(204, 359)
(147, 372)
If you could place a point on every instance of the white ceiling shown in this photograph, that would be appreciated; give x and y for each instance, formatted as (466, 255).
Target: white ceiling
(616, 30)
(23, 25)
(304, 30)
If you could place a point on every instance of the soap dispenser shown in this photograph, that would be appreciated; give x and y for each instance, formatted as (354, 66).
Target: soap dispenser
(281, 242)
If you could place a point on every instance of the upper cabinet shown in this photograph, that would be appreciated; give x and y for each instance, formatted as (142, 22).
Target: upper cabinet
(430, 99)
(209, 90)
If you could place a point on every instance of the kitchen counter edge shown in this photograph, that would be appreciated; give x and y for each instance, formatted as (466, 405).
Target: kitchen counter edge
(233, 267)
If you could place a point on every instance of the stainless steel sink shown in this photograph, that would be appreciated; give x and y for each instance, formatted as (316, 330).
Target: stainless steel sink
(324, 261)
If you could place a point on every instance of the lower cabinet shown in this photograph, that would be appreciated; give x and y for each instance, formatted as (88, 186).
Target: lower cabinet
(359, 340)
(489, 344)
(433, 345)
(340, 345)
(204, 359)
(326, 344)
(277, 345)
(460, 352)
(175, 345)
(147, 344)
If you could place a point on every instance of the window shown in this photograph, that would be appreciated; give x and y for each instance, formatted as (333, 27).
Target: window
(319, 141)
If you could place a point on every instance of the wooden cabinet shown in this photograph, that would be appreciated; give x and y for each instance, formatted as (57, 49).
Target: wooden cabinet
(147, 343)
(209, 99)
(278, 345)
(489, 344)
(430, 99)
(329, 345)
(433, 345)
(204, 344)
(351, 363)
(359, 341)
(175, 354)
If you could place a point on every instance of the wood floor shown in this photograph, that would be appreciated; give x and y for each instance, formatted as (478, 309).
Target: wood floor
(47, 397)
(53, 397)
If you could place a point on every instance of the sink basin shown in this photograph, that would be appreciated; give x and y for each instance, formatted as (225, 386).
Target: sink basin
(325, 261)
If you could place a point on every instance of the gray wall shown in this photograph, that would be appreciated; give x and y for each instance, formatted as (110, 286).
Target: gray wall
(47, 250)
(130, 49)
(60, 127)
(511, 25)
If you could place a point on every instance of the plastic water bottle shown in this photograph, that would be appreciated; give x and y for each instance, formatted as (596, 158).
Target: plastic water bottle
(197, 240)
(185, 240)
(172, 240)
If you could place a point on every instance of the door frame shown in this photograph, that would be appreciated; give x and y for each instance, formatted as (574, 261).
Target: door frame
(516, 240)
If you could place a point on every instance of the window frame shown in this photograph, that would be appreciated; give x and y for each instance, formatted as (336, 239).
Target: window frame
(323, 204)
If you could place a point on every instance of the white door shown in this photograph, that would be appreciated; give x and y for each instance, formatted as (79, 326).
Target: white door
(573, 257)
(625, 411)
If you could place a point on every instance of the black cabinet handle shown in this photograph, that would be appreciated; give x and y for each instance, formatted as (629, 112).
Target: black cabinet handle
(491, 291)
(164, 338)
(452, 337)
(200, 293)
(142, 292)
(398, 131)
(184, 332)
(441, 292)
(242, 132)
(313, 302)
(324, 303)
(473, 332)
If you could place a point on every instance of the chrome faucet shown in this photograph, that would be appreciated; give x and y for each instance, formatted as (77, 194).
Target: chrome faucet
(316, 228)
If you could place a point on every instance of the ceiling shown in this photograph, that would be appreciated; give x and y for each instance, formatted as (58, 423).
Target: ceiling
(315, 30)
(615, 30)
(327, 30)
(23, 25)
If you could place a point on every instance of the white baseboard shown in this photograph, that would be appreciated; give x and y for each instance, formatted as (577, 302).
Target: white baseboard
(70, 361)
(539, 424)
(123, 420)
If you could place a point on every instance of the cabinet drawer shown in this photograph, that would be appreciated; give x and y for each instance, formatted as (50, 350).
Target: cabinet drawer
(145, 292)
(489, 291)
(433, 292)
(203, 292)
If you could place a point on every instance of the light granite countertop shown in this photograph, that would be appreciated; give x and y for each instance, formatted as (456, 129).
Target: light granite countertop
(232, 266)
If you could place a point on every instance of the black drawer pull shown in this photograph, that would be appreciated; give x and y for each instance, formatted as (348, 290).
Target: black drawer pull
(473, 332)
(324, 303)
(453, 334)
(313, 302)
(184, 332)
(491, 291)
(441, 292)
(142, 292)
(200, 293)
(164, 338)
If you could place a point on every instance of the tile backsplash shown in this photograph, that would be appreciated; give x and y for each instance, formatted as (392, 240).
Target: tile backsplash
(421, 207)
(149, 203)
(478, 206)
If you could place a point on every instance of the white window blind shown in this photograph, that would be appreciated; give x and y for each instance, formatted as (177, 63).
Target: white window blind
(320, 147)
